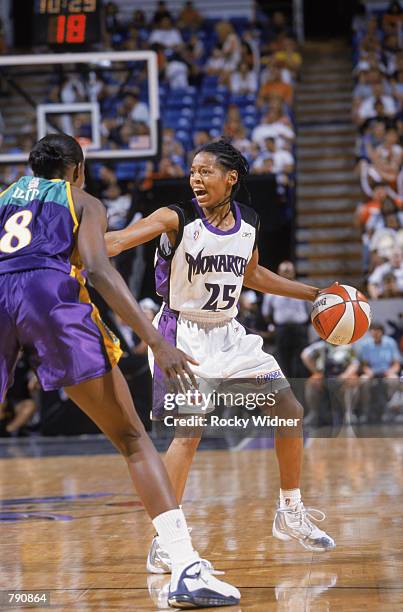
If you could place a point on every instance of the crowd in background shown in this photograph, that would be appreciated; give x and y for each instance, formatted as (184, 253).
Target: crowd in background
(378, 114)
(232, 78)
(244, 75)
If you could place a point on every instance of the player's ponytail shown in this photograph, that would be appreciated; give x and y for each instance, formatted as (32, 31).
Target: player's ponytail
(231, 159)
(53, 154)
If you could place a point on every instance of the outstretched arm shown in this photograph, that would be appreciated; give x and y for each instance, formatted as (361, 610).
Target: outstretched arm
(163, 220)
(111, 286)
(261, 279)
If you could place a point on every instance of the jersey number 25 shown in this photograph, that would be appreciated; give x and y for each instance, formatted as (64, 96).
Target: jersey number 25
(215, 290)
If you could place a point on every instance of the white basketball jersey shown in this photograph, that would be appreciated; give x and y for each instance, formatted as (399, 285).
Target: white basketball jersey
(203, 274)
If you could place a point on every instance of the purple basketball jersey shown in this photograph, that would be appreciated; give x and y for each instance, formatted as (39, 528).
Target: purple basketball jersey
(37, 225)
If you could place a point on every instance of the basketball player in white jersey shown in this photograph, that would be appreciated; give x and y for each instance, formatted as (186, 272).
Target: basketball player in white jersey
(207, 251)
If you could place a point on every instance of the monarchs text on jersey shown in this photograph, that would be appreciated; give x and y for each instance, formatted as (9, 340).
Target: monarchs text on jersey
(37, 225)
(203, 274)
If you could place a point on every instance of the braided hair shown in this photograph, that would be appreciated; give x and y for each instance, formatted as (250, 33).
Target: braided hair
(52, 155)
(231, 159)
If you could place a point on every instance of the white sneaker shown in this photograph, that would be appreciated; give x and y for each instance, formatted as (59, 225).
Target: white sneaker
(195, 587)
(159, 561)
(296, 524)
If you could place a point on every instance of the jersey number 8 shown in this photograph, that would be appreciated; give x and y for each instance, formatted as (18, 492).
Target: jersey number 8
(16, 230)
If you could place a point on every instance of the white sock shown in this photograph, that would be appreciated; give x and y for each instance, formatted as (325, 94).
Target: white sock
(156, 535)
(173, 535)
(289, 498)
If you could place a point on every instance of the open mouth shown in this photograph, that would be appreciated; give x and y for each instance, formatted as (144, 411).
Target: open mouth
(199, 192)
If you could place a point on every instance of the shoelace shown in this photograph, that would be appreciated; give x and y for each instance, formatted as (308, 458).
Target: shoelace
(305, 515)
(206, 564)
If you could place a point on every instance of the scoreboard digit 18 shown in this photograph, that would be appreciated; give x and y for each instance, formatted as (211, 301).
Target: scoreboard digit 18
(67, 23)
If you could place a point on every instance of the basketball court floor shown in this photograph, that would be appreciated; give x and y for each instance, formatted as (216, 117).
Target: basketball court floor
(71, 525)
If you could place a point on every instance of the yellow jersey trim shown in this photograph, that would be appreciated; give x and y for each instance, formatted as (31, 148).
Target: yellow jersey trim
(71, 206)
(6, 190)
(110, 341)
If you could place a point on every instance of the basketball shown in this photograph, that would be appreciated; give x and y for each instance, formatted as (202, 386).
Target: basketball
(341, 315)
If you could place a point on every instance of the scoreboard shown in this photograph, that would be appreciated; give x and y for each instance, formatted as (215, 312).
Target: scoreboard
(67, 23)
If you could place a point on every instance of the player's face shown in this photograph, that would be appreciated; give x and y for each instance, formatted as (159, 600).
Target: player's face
(211, 183)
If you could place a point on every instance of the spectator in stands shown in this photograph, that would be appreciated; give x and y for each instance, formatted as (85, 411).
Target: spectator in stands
(370, 62)
(230, 44)
(373, 136)
(393, 17)
(363, 88)
(272, 125)
(139, 20)
(333, 371)
(191, 54)
(390, 216)
(288, 57)
(189, 18)
(82, 129)
(199, 138)
(384, 231)
(365, 211)
(169, 167)
(390, 287)
(371, 108)
(133, 41)
(161, 12)
(250, 50)
(165, 34)
(379, 361)
(21, 403)
(72, 89)
(111, 19)
(290, 318)
(161, 59)
(118, 202)
(123, 136)
(283, 161)
(392, 268)
(263, 164)
(243, 81)
(387, 157)
(132, 108)
(215, 63)
(249, 314)
(244, 144)
(177, 72)
(397, 88)
(233, 122)
(274, 86)
(96, 87)
(171, 146)
(106, 178)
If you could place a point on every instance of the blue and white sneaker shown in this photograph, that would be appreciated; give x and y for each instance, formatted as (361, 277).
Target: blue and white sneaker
(195, 587)
(159, 561)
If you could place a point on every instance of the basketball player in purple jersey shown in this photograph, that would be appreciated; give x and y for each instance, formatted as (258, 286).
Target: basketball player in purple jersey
(207, 251)
(49, 229)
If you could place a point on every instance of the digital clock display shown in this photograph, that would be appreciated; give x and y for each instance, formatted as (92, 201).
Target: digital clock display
(66, 22)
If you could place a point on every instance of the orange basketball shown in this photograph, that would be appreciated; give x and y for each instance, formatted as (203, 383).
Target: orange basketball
(341, 314)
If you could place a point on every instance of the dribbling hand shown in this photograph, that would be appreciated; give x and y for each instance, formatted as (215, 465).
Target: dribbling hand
(174, 364)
